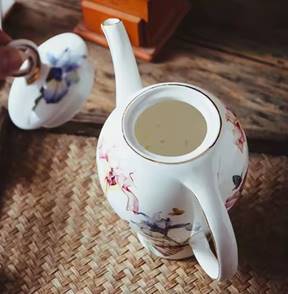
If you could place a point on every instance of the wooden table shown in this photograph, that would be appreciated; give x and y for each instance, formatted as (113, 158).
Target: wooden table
(247, 71)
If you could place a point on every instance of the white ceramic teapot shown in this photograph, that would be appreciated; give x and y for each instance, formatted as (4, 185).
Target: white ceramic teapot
(171, 160)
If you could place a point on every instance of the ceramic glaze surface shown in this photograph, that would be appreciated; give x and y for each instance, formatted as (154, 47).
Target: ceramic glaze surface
(174, 202)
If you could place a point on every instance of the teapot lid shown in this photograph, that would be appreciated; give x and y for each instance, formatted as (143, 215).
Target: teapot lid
(55, 80)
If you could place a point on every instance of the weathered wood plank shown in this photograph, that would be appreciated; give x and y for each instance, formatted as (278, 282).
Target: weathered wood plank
(83, 124)
(255, 46)
(4, 123)
(253, 15)
(39, 20)
(248, 74)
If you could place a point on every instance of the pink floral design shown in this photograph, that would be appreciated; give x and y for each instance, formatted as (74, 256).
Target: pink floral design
(117, 177)
(238, 132)
(230, 202)
(103, 155)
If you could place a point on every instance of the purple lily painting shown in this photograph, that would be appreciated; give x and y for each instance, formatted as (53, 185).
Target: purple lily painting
(157, 229)
(63, 73)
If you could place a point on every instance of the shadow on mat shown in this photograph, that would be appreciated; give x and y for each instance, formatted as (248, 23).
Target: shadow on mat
(261, 228)
(9, 284)
(19, 162)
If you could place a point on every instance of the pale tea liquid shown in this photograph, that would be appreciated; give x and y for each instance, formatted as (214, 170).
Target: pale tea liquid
(170, 128)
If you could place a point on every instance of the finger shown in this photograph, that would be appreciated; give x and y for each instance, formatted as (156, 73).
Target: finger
(4, 38)
(10, 61)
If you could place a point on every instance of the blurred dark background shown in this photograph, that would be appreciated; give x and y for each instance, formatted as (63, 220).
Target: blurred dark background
(250, 15)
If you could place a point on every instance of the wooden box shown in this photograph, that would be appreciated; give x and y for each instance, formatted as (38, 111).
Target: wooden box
(149, 23)
(94, 14)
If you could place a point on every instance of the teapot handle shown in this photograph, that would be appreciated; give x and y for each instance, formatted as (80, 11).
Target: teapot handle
(224, 266)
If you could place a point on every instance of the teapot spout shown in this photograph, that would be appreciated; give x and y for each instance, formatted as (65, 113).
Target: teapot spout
(127, 76)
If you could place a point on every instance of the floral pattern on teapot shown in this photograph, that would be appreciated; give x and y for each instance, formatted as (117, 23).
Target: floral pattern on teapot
(239, 135)
(118, 178)
(155, 228)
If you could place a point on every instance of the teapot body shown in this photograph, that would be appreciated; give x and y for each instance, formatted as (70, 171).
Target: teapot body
(151, 196)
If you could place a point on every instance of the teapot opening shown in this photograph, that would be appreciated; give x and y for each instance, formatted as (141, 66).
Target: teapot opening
(171, 128)
(171, 123)
(111, 21)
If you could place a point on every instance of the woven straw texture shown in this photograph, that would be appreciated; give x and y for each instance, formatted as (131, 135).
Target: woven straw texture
(58, 234)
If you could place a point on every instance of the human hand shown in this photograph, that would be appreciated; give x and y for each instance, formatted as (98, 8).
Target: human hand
(10, 58)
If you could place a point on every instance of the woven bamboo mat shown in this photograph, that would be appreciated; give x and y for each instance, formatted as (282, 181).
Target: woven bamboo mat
(59, 235)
